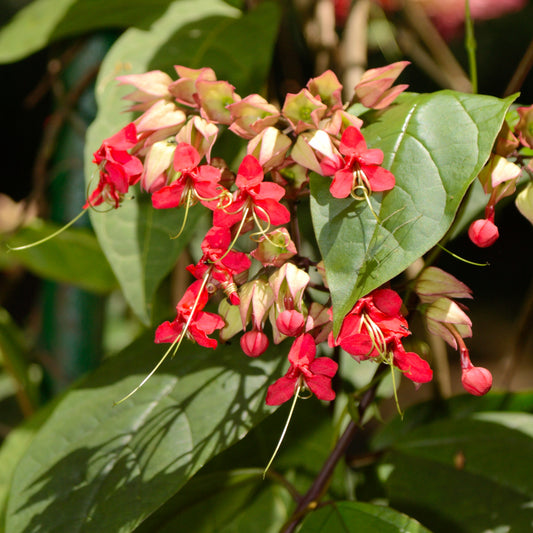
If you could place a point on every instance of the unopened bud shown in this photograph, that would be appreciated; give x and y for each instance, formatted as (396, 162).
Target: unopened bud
(483, 232)
(290, 323)
(254, 343)
(476, 380)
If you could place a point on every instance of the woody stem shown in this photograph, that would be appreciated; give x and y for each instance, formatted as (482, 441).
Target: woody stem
(319, 486)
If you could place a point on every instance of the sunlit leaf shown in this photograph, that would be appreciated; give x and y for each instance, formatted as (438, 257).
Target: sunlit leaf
(95, 467)
(340, 517)
(435, 145)
(465, 474)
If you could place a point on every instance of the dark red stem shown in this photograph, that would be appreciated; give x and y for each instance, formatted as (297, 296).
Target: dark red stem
(318, 488)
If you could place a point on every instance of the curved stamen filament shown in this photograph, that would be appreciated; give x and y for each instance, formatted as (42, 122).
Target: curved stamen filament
(186, 216)
(175, 344)
(237, 234)
(361, 184)
(376, 335)
(218, 197)
(293, 405)
(262, 230)
(44, 239)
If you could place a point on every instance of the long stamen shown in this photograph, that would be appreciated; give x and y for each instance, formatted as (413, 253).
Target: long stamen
(237, 234)
(43, 240)
(175, 344)
(362, 184)
(293, 405)
(262, 231)
(186, 216)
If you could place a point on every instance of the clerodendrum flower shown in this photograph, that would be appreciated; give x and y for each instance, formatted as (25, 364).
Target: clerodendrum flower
(304, 371)
(373, 329)
(359, 171)
(194, 183)
(254, 197)
(221, 262)
(200, 324)
(118, 168)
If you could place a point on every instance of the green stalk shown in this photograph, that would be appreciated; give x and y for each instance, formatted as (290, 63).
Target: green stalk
(470, 46)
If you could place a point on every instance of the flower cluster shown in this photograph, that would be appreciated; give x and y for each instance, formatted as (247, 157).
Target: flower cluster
(168, 150)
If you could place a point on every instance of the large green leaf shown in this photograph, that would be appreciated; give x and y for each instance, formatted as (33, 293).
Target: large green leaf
(238, 501)
(462, 406)
(435, 145)
(469, 474)
(95, 467)
(196, 33)
(73, 256)
(341, 517)
(45, 21)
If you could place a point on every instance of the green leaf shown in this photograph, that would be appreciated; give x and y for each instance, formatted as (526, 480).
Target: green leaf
(12, 450)
(95, 467)
(73, 256)
(196, 33)
(461, 406)
(342, 517)
(467, 474)
(238, 501)
(45, 21)
(435, 145)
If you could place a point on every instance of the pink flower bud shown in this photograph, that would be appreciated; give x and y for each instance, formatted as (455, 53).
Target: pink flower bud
(157, 162)
(303, 110)
(269, 147)
(290, 323)
(476, 380)
(214, 96)
(483, 233)
(252, 115)
(328, 88)
(524, 128)
(274, 248)
(375, 88)
(254, 343)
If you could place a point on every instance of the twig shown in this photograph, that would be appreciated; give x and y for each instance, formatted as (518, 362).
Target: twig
(53, 129)
(470, 46)
(321, 482)
(525, 65)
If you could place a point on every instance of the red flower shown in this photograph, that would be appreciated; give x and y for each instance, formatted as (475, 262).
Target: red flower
(223, 264)
(359, 169)
(201, 324)
(315, 374)
(118, 168)
(195, 183)
(253, 194)
(373, 329)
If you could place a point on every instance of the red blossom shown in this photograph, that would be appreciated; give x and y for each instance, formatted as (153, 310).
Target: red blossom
(118, 168)
(315, 374)
(201, 323)
(373, 329)
(359, 168)
(253, 194)
(198, 183)
(223, 264)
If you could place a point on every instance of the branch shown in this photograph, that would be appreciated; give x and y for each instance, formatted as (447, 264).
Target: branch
(311, 499)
